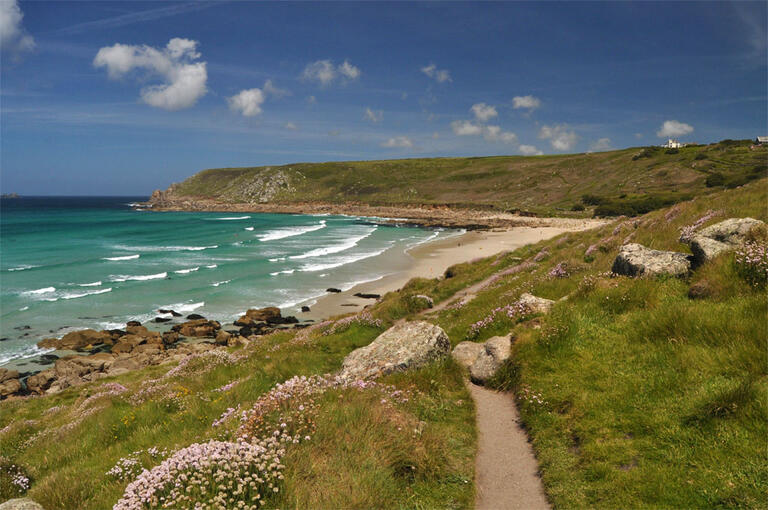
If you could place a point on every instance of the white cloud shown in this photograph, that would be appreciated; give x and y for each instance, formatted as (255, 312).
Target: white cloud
(402, 142)
(674, 128)
(560, 138)
(184, 80)
(638, 135)
(373, 116)
(529, 102)
(439, 75)
(349, 71)
(484, 112)
(529, 150)
(311, 100)
(13, 37)
(247, 102)
(271, 90)
(324, 72)
(291, 126)
(465, 128)
(602, 144)
(495, 134)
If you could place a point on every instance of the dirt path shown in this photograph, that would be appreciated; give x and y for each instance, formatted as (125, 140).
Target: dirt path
(506, 471)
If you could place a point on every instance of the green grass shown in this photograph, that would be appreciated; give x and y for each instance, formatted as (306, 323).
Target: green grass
(541, 184)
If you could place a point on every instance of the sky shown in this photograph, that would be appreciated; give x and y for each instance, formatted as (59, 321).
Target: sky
(121, 98)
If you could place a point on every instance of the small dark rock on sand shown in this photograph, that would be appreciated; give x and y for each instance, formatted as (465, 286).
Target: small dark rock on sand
(333, 289)
(303, 309)
(367, 296)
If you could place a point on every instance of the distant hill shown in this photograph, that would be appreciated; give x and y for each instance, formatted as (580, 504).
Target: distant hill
(627, 181)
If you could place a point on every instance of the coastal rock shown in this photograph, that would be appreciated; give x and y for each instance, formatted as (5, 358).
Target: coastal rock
(123, 365)
(168, 311)
(137, 330)
(162, 319)
(403, 346)
(9, 382)
(77, 340)
(496, 351)
(305, 309)
(222, 337)
(637, 260)
(194, 316)
(21, 504)
(41, 381)
(364, 295)
(132, 323)
(465, 353)
(536, 304)
(198, 328)
(721, 237)
(333, 289)
(254, 315)
(6, 374)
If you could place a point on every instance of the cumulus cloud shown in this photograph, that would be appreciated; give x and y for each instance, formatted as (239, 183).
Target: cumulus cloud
(13, 37)
(400, 142)
(271, 90)
(247, 102)
(184, 80)
(291, 126)
(674, 128)
(439, 75)
(484, 112)
(560, 138)
(373, 116)
(528, 102)
(529, 150)
(465, 128)
(602, 144)
(324, 72)
(489, 133)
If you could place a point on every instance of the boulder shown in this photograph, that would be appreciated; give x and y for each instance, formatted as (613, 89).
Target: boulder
(222, 337)
(122, 347)
(403, 346)
(496, 351)
(168, 311)
(194, 316)
(20, 504)
(198, 328)
(123, 365)
(254, 315)
(9, 387)
(465, 353)
(77, 340)
(535, 304)
(6, 374)
(137, 330)
(305, 309)
(132, 323)
(162, 319)
(365, 295)
(727, 235)
(170, 337)
(41, 381)
(426, 299)
(637, 260)
(333, 290)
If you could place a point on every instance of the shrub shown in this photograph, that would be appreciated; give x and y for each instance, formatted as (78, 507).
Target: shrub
(577, 207)
(589, 199)
(715, 179)
(671, 151)
(701, 156)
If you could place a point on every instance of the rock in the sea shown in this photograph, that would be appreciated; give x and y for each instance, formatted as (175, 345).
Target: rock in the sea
(305, 309)
(132, 323)
(194, 316)
(333, 289)
(174, 313)
(403, 346)
(77, 340)
(465, 353)
(162, 319)
(21, 504)
(721, 237)
(535, 304)
(198, 328)
(637, 260)
(496, 351)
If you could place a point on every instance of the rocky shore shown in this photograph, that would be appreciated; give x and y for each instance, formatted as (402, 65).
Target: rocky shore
(88, 355)
(427, 215)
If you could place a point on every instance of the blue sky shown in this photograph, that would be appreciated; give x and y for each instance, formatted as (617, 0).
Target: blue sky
(125, 97)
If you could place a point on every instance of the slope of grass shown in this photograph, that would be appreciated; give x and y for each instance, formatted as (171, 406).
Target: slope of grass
(541, 184)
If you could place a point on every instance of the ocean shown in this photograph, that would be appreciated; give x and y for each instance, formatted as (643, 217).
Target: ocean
(70, 263)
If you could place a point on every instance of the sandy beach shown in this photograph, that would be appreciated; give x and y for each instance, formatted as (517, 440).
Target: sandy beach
(430, 260)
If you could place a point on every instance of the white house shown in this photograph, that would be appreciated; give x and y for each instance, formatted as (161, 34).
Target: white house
(761, 140)
(673, 144)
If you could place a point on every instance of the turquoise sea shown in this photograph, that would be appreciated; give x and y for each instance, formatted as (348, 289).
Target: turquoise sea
(69, 263)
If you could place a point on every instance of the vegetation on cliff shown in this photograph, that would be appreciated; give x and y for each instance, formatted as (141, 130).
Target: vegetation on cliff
(629, 181)
(636, 392)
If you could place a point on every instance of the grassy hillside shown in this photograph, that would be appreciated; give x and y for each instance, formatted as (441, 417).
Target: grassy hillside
(541, 184)
(635, 392)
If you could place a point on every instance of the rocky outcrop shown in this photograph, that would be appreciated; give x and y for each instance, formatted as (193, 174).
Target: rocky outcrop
(41, 381)
(403, 346)
(9, 382)
(535, 304)
(637, 260)
(495, 352)
(465, 353)
(21, 504)
(727, 235)
(255, 315)
(77, 340)
(198, 328)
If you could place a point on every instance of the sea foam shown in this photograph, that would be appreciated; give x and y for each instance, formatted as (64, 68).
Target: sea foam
(282, 233)
(125, 257)
(84, 294)
(124, 278)
(346, 245)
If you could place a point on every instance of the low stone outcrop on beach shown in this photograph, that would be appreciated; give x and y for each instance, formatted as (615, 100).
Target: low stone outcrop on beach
(403, 346)
(77, 340)
(198, 328)
(722, 237)
(637, 260)
(254, 315)
(536, 304)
